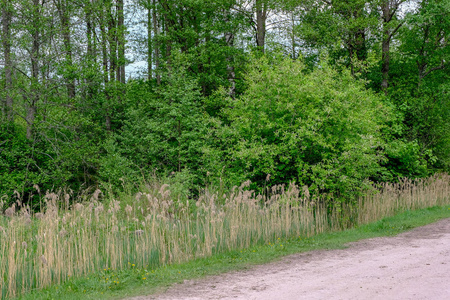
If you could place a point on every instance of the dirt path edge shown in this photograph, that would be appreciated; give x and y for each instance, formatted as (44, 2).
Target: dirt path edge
(412, 265)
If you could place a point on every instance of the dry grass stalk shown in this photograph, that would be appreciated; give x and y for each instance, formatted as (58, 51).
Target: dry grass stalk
(152, 229)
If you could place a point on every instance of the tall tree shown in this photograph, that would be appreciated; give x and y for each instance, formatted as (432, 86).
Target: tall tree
(121, 41)
(114, 73)
(156, 43)
(229, 40)
(90, 58)
(429, 37)
(6, 43)
(106, 63)
(391, 25)
(420, 66)
(64, 11)
(342, 27)
(35, 31)
(262, 9)
(149, 7)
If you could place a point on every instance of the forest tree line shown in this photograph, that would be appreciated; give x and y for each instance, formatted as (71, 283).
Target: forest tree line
(332, 94)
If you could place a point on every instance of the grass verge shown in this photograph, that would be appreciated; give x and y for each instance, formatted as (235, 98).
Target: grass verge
(113, 284)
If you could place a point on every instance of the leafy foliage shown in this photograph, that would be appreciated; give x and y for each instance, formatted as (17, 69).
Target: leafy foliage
(220, 102)
(164, 130)
(322, 129)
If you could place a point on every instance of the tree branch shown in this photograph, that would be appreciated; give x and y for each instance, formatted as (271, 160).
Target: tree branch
(440, 67)
(396, 29)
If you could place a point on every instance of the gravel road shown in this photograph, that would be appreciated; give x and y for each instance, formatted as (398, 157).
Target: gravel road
(412, 265)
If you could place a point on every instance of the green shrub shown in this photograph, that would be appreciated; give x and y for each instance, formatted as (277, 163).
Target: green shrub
(322, 129)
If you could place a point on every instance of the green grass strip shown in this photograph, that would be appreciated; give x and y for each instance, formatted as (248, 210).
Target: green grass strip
(116, 284)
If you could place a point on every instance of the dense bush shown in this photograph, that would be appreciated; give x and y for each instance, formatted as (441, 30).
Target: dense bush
(164, 131)
(54, 159)
(322, 129)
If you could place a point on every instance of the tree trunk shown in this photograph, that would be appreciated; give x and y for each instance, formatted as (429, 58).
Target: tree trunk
(385, 62)
(360, 35)
(112, 39)
(261, 17)
(62, 7)
(293, 54)
(90, 52)
(6, 42)
(34, 88)
(121, 41)
(168, 29)
(168, 41)
(360, 45)
(149, 41)
(104, 47)
(229, 39)
(89, 30)
(156, 33)
(106, 71)
(389, 9)
(422, 61)
(385, 45)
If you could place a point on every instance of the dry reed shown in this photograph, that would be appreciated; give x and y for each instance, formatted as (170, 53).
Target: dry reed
(37, 250)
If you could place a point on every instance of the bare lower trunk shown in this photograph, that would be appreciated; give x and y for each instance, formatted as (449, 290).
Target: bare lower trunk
(35, 34)
(230, 68)
(229, 40)
(112, 39)
(149, 41)
(90, 49)
(385, 45)
(168, 25)
(106, 70)
(65, 24)
(261, 17)
(385, 64)
(104, 51)
(357, 43)
(6, 42)
(121, 41)
(294, 55)
(89, 30)
(156, 33)
(389, 9)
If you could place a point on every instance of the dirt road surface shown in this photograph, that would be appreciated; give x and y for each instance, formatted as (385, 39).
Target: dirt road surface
(412, 265)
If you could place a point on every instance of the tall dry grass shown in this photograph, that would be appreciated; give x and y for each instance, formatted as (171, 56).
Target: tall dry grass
(39, 249)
